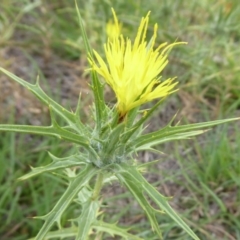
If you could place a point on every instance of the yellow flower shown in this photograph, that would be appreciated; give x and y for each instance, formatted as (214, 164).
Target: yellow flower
(113, 29)
(132, 69)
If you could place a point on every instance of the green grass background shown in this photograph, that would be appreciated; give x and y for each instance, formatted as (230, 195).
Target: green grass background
(202, 175)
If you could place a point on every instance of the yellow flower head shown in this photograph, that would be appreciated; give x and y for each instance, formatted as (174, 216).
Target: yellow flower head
(132, 69)
(113, 28)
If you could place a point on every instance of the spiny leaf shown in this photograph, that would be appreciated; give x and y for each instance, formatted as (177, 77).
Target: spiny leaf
(87, 217)
(114, 230)
(138, 195)
(131, 175)
(113, 139)
(170, 133)
(56, 164)
(60, 234)
(99, 226)
(47, 131)
(131, 116)
(79, 123)
(99, 103)
(74, 187)
(43, 97)
(140, 123)
(97, 87)
(147, 144)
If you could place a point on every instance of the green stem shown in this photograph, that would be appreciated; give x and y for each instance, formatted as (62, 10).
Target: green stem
(98, 186)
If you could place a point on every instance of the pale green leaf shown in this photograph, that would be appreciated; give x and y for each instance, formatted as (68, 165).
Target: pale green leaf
(131, 174)
(79, 123)
(47, 131)
(147, 145)
(56, 164)
(130, 117)
(139, 196)
(83, 32)
(99, 226)
(114, 230)
(84, 195)
(113, 139)
(139, 124)
(75, 185)
(87, 217)
(170, 133)
(63, 233)
(97, 87)
(43, 97)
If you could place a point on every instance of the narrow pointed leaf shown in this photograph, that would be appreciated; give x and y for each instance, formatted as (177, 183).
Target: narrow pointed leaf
(97, 87)
(139, 196)
(139, 124)
(99, 226)
(114, 230)
(56, 131)
(99, 103)
(87, 217)
(131, 116)
(170, 133)
(64, 233)
(147, 144)
(79, 123)
(113, 138)
(61, 163)
(131, 174)
(43, 97)
(74, 187)
(83, 32)
(47, 131)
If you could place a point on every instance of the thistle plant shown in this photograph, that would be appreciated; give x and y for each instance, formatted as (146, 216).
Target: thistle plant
(106, 150)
